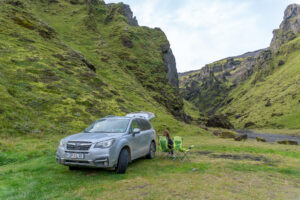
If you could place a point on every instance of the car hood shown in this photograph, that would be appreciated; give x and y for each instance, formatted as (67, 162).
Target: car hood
(92, 137)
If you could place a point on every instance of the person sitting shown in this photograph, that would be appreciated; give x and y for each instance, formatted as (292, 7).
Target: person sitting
(170, 141)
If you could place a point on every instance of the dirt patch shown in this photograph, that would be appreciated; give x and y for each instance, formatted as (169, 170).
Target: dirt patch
(204, 152)
(92, 174)
(240, 157)
(237, 157)
(138, 187)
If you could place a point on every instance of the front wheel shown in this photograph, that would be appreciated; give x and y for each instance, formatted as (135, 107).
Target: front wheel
(151, 153)
(123, 162)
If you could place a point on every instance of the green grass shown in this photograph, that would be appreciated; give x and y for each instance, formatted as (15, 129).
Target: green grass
(40, 177)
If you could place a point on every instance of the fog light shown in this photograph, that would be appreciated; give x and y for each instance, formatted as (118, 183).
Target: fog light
(105, 163)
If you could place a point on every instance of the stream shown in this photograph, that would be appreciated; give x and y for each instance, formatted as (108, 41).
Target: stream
(269, 137)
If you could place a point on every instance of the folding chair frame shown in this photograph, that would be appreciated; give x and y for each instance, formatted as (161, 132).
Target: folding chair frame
(183, 154)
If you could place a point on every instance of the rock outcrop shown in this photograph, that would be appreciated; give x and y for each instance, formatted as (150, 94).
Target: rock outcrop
(170, 65)
(129, 15)
(209, 86)
(219, 121)
(241, 137)
(167, 54)
(289, 27)
(289, 142)
(225, 134)
(126, 11)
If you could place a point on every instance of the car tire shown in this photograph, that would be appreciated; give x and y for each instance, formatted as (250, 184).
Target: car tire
(123, 162)
(151, 153)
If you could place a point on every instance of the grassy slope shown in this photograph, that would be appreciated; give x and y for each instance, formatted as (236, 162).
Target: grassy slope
(46, 88)
(281, 87)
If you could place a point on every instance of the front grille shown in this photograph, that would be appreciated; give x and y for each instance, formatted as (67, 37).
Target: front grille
(79, 146)
(77, 161)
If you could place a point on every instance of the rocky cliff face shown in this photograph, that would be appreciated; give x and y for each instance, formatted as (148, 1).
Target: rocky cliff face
(208, 87)
(289, 28)
(127, 12)
(170, 65)
(167, 54)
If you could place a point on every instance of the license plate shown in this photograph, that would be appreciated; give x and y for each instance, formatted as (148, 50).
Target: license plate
(75, 155)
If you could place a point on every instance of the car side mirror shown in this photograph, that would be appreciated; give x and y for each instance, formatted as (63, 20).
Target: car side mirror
(136, 131)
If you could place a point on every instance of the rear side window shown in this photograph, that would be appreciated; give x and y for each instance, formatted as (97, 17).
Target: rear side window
(145, 125)
(134, 125)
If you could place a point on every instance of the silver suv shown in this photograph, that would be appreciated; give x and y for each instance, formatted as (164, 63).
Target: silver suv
(110, 142)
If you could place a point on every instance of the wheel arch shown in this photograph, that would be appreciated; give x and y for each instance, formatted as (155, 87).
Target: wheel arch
(153, 140)
(128, 149)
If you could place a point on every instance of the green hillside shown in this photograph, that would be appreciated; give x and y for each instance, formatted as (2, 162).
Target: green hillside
(257, 89)
(64, 64)
(271, 97)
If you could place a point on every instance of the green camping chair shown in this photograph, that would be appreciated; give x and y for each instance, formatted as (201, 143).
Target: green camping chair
(163, 146)
(182, 152)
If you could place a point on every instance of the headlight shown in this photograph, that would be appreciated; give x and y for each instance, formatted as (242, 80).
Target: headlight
(62, 143)
(104, 144)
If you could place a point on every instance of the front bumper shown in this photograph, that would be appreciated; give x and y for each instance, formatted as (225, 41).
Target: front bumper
(101, 158)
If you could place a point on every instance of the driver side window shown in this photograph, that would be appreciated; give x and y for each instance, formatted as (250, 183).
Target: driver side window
(134, 125)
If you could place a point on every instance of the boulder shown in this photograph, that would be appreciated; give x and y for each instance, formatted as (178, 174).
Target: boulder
(227, 134)
(248, 124)
(204, 127)
(219, 121)
(224, 134)
(217, 132)
(260, 139)
(290, 142)
(241, 137)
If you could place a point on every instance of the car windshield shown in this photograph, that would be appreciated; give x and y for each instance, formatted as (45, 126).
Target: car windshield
(108, 126)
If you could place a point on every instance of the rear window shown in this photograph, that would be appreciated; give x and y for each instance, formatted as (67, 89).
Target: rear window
(145, 125)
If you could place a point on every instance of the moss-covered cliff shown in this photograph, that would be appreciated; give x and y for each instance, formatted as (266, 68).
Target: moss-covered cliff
(65, 63)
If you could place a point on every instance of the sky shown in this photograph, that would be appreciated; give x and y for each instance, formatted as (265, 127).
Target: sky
(204, 31)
